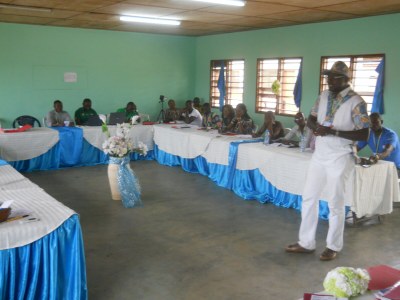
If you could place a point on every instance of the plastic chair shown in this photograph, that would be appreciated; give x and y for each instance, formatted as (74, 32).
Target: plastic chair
(23, 120)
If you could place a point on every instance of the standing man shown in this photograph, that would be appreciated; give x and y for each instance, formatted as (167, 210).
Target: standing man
(338, 118)
(82, 114)
(384, 142)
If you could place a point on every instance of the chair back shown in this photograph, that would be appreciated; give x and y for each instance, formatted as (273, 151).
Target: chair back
(23, 120)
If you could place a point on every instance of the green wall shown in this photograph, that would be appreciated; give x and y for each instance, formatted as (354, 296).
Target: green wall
(116, 67)
(358, 36)
(112, 68)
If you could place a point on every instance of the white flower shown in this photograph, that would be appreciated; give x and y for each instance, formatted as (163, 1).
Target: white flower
(346, 282)
(120, 144)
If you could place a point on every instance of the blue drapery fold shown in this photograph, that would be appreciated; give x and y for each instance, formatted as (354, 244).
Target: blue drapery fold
(3, 162)
(221, 85)
(127, 182)
(249, 184)
(47, 161)
(51, 268)
(297, 91)
(377, 102)
(232, 159)
(71, 141)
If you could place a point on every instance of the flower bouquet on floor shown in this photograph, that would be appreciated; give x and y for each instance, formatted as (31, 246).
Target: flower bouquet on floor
(345, 282)
(123, 182)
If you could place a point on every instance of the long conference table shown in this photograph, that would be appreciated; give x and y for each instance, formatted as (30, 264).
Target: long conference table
(45, 259)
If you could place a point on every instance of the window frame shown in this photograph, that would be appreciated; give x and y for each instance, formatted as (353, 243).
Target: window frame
(279, 98)
(351, 65)
(214, 98)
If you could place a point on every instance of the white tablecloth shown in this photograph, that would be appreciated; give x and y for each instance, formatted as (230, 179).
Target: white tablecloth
(183, 142)
(30, 197)
(28, 144)
(193, 142)
(13, 180)
(371, 190)
(138, 133)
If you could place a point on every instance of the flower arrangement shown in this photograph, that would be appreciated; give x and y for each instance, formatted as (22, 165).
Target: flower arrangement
(346, 282)
(120, 144)
(276, 87)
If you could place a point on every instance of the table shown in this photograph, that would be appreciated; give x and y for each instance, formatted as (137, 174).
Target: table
(268, 173)
(60, 147)
(43, 259)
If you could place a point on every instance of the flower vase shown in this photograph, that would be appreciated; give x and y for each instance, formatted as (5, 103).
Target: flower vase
(112, 178)
(123, 182)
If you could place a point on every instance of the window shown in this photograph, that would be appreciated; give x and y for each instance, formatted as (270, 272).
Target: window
(234, 81)
(285, 71)
(363, 74)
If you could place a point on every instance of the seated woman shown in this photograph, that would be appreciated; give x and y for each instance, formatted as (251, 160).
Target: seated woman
(171, 113)
(242, 123)
(300, 129)
(130, 111)
(275, 128)
(228, 113)
(210, 119)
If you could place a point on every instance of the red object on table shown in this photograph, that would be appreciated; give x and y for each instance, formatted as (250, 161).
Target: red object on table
(21, 129)
(148, 123)
(382, 277)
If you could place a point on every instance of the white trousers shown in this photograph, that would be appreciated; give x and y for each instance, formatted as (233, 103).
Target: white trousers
(330, 178)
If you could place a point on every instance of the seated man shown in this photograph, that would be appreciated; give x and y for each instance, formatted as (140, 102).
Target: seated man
(210, 119)
(191, 115)
(82, 114)
(241, 123)
(383, 142)
(300, 129)
(171, 113)
(130, 111)
(197, 105)
(275, 127)
(58, 117)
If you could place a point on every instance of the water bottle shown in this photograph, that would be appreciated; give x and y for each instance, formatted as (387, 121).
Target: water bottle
(302, 143)
(266, 137)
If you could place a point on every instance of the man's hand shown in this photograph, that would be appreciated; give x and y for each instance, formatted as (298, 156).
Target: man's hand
(322, 130)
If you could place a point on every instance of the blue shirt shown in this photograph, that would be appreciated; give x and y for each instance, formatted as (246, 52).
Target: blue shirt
(379, 144)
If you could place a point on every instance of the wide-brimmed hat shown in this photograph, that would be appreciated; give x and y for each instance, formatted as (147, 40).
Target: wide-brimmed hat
(338, 68)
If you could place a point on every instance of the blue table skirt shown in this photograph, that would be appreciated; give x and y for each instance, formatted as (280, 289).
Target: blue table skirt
(53, 267)
(62, 156)
(248, 185)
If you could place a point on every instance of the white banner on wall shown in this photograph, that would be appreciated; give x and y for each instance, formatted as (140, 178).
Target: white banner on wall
(70, 77)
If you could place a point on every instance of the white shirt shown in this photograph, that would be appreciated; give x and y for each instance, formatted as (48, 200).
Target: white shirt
(198, 118)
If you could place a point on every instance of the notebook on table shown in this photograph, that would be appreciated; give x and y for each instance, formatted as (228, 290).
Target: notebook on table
(116, 118)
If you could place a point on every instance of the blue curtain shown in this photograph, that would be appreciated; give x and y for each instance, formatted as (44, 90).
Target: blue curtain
(3, 162)
(377, 102)
(51, 268)
(298, 86)
(221, 85)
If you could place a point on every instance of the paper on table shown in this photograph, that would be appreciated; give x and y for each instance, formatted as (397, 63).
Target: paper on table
(6, 204)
